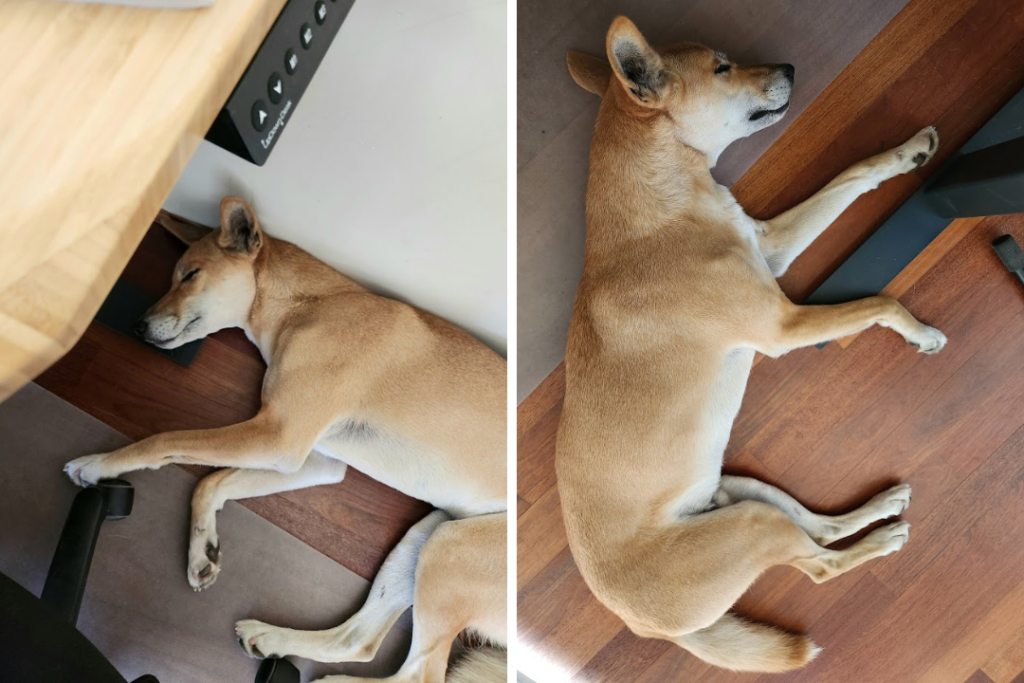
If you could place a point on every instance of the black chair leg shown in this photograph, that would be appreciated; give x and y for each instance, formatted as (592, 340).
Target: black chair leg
(69, 569)
(274, 670)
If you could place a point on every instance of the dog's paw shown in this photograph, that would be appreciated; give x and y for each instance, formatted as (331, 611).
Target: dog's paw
(258, 639)
(203, 558)
(891, 503)
(929, 340)
(89, 469)
(889, 538)
(918, 150)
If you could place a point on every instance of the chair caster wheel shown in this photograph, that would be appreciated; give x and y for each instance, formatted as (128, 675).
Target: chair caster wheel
(274, 670)
(120, 496)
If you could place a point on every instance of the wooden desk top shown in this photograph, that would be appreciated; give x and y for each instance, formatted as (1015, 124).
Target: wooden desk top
(103, 106)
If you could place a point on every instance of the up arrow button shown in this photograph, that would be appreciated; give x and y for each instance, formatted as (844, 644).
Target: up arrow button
(259, 115)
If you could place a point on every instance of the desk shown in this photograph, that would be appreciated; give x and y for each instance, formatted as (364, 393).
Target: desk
(103, 106)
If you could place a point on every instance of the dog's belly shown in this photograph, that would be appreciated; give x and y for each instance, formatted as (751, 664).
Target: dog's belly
(413, 469)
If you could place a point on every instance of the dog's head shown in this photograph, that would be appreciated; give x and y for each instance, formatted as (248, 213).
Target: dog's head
(214, 283)
(711, 101)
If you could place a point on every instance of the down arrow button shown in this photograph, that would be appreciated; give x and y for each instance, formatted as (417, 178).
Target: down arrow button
(275, 88)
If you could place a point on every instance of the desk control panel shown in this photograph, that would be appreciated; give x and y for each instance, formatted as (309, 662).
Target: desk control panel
(263, 102)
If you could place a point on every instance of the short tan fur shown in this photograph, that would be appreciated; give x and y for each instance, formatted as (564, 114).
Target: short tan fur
(678, 292)
(356, 379)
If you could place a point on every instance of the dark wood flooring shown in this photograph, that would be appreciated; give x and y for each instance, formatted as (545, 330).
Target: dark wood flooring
(834, 426)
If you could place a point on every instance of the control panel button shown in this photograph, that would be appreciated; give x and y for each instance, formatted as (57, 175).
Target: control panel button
(320, 11)
(306, 35)
(291, 61)
(259, 115)
(275, 87)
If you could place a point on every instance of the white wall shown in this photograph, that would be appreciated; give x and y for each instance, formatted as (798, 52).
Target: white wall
(393, 166)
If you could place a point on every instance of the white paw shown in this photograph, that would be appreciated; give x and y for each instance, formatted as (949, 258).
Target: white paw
(89, 469)
(929, 341)
(259, 639)
(203, 558)
(889, 538)
(893, 502)
(918, 150)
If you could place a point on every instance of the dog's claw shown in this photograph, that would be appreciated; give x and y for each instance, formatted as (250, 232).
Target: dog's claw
(249, 631)
(89, 469)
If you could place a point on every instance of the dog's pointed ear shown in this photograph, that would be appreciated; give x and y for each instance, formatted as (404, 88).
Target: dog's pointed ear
(182, 228)
(239, 229)
(635, 63)
(590, 73)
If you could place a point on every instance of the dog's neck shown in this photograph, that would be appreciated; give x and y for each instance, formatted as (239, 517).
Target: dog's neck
(288, 279)
(640, 151)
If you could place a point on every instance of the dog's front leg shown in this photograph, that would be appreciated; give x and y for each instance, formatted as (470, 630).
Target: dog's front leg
(786, 236)
(259, 443)
(216, 489)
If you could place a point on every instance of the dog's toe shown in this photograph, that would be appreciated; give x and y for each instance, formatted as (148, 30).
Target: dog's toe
(252, 636)
(890, 538)
(204, 560)
(918, 150)
(930, 342)
(893, 502)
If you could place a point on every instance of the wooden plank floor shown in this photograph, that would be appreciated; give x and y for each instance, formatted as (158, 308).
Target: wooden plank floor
(139, 392)
(836, 425)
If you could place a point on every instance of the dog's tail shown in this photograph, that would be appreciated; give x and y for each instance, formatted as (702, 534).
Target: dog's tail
(734, 643)
(480, 665)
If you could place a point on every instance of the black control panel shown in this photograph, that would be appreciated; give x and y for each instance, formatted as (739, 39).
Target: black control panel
(256, 113)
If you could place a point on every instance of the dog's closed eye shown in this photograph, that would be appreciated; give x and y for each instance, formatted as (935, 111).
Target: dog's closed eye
(190, 274)
(722, 68)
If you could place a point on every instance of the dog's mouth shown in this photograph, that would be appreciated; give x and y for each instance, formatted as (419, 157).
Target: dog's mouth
(761, 113)
(166, 343)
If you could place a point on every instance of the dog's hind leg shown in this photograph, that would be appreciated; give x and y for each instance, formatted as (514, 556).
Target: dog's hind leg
(460, 584)
(825, 564)
(358, 639)
(824, 529)
(216, 489)
(787, 235)
(702, 566)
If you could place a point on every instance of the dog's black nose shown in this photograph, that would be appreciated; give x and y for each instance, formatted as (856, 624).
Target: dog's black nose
(140, 327)
(789, 71)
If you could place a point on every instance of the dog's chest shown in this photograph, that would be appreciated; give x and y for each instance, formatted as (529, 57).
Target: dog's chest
(729, 211)
(403, 464)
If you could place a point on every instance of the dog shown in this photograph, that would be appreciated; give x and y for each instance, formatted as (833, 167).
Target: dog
(352, 379)
(678, 292)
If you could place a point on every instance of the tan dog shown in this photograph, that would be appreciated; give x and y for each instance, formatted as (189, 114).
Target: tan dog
(352, 379)
(678, 292)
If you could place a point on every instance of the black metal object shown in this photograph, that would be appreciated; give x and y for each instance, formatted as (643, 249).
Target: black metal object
(122, 309)
(915, 224)
(883, 255)
(253, 118)
(69, 569)
(1010, 254)
(274, 670)
(988, 182)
